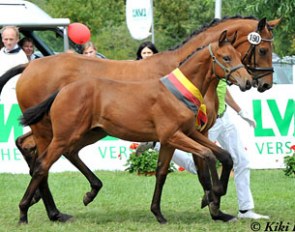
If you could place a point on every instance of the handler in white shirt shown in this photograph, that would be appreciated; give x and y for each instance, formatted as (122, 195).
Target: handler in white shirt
(10, 55)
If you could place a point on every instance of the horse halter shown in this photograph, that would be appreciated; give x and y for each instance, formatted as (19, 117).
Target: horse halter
(227, 70)
(255, 39)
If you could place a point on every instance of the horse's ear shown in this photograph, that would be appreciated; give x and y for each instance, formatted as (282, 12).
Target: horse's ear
(222, 38)
(274, 23)
(261, 24)
(234, 37)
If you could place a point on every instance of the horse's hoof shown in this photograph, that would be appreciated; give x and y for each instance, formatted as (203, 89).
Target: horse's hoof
(204, 202)
(61, 217)
(162, 221)
(23, 222)
(224, 217)
(88, 198)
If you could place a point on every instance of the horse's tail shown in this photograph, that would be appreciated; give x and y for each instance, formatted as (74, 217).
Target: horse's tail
(34, 114)
(11, 73)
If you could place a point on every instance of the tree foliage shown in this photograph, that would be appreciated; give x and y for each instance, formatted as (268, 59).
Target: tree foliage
(271, 9)
(173, 21)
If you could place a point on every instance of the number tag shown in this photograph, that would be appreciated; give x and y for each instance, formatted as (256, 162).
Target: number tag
(254, 38)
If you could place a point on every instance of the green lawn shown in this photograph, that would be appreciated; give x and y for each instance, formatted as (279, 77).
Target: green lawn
(124, 201)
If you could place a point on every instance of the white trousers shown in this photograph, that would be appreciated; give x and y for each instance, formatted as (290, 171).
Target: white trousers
(182, 159)
(226, 134)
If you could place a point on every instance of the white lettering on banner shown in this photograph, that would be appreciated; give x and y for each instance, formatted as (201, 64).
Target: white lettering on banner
(139, 18)
(274, 114)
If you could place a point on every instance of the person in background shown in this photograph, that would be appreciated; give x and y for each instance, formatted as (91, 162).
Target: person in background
(145, 50)
(10, 55)
(89, 49)
(27, 44)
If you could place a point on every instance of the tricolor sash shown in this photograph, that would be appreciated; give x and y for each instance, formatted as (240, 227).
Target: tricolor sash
(186, 92)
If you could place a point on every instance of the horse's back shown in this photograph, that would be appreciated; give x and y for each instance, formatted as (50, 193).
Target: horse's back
(127, 110)
(46, 75)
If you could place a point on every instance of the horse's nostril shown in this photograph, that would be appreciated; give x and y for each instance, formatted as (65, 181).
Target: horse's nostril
(266, 86)
(248, 85)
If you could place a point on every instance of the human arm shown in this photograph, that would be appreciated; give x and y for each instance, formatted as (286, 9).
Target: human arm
(242, 113)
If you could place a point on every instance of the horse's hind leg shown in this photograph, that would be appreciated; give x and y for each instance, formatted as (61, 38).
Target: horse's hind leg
(95, 182)
(39, 180)
(27, 146)
(53, 213)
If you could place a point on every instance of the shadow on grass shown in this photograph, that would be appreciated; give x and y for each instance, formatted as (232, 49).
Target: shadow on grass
(143, 216)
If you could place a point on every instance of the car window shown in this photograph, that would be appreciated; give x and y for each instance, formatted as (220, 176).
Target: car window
(51, 39)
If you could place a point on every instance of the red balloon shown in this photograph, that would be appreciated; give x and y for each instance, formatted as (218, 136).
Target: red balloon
(79, 33)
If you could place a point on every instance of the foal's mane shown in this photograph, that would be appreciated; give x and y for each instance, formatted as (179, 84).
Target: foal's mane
(213, 23)
(190, 55)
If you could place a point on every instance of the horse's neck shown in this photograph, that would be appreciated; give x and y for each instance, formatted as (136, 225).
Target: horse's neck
(212, 34)
(198, 70)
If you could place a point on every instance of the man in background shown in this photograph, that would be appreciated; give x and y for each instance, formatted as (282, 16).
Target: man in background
(10, 55)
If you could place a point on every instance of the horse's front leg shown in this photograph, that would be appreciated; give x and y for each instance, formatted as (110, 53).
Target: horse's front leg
(165, 156)
(201, 146)
(204, 179)
(227, 164)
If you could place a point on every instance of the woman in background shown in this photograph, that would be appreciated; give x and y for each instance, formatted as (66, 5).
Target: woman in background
(145, 50)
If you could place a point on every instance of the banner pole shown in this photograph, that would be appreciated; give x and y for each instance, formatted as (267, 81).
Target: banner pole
(153, 32)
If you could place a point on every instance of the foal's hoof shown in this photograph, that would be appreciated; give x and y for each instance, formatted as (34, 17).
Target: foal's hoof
(23, 221)
(62, 217)
(162, 220)
(204, 202)
(224, 217)
(88, 197)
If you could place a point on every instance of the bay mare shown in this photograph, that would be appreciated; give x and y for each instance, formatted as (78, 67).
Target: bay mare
(86, 111)
(60, 70)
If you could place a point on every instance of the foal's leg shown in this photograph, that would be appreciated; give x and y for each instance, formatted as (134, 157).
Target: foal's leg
(205, 179)
(95, 182)
(165, 156)
(225, 158)
(27, 146)
(39, 180)
(208, 157)
(181, 141)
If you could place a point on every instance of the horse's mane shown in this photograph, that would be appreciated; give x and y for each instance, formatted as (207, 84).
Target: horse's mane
(190, 55)
(213, 23)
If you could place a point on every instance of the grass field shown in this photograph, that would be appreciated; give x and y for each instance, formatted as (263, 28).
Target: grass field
(124, 201)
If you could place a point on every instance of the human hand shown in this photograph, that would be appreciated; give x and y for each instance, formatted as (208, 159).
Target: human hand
(244, 115)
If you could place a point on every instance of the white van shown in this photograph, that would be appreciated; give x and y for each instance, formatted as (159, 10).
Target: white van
(49, 34)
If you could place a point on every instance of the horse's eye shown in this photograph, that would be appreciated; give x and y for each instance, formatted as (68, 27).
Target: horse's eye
(262, 51)
(227, 58)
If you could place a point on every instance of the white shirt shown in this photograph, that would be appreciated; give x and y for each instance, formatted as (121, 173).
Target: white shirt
(7, 61)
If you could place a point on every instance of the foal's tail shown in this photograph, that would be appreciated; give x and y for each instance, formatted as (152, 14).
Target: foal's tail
(34, 114)
(11, 73)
